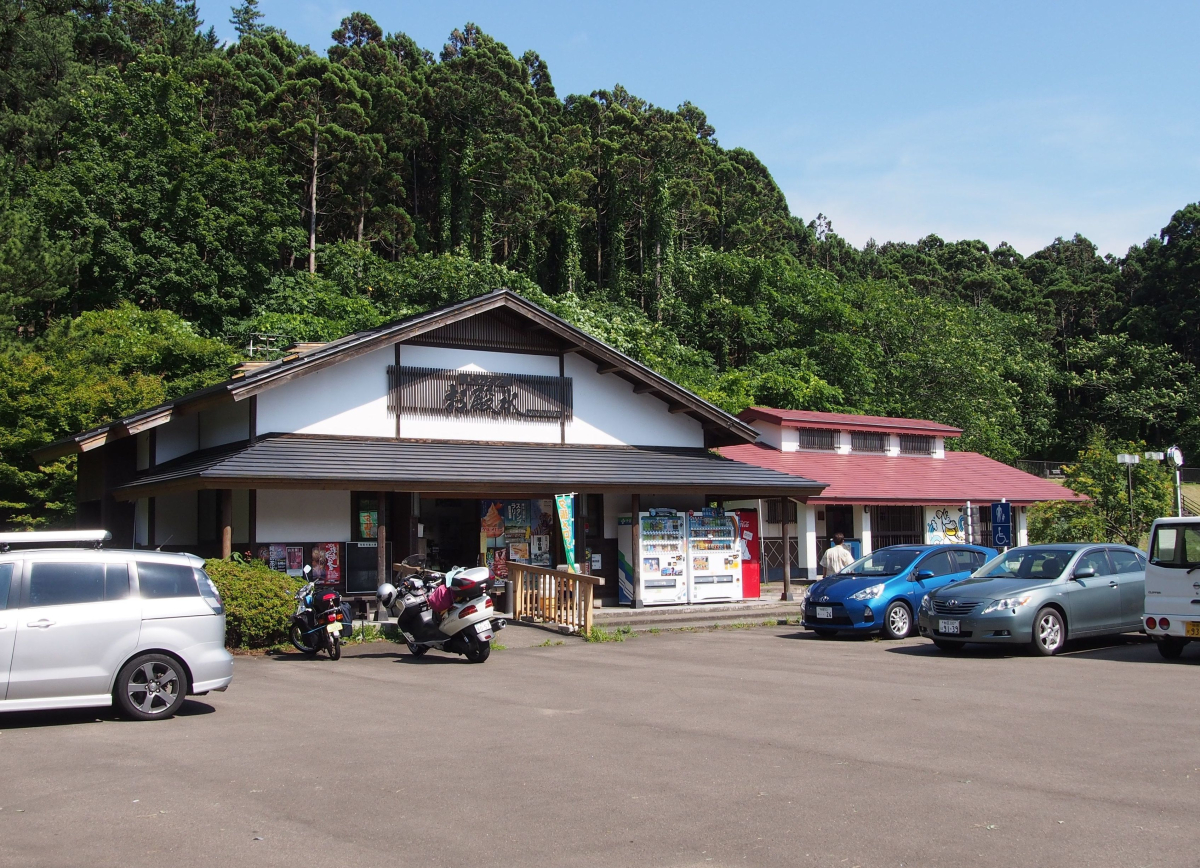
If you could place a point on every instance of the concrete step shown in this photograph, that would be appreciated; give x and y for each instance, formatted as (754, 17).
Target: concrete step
(666, 617)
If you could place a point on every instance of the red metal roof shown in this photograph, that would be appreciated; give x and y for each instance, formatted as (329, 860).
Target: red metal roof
(906, 479)
(811, 418)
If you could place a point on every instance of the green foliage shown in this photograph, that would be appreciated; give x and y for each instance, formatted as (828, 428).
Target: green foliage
(79, 373)
(1106, 516)
(600, 634)
(264, 187)
(258, 601)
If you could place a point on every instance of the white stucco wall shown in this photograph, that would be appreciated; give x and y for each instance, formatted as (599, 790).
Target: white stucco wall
(175, 519)
(607, 412)
(287, 515)
(178, 437)
(226, 423)
(349, 398)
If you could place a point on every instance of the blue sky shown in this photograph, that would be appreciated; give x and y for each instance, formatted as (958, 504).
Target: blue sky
(1015, 121)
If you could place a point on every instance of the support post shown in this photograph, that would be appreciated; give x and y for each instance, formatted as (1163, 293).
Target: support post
(787, 595)
(381, 561)
(226, 523)
(636, 507)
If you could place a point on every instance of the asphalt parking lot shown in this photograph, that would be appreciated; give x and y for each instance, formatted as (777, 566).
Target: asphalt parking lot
(763, 746)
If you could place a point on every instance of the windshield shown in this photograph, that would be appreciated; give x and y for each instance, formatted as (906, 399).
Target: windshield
(1176, 545)
(1033, 564)
(885, 562)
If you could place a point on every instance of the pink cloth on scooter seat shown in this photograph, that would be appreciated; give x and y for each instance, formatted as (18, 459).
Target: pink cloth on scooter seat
(441, 599)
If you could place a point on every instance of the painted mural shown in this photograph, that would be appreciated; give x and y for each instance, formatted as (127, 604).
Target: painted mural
(944, 527)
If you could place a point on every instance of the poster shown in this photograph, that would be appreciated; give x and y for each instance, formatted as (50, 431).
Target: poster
(674, 566)
(596, 561)
(541, 531)
(518, 551)
(565, 506)
(649, 565)
(731, 562)
(277, 557)
(368, 524)
(539, 550)
(326, 563)
(700, 564)
(492, 522)
(505, 533)
(295, 560)
(499, 563)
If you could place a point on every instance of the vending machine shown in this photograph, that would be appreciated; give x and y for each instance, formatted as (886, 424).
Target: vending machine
(662, 554)
(714, 557)
(751, 547)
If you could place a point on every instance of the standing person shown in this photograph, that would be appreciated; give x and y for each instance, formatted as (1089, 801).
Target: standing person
(838, 556)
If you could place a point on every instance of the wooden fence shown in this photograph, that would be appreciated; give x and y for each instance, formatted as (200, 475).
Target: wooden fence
(554, 596)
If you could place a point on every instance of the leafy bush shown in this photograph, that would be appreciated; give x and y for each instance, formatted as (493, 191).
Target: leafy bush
(258, 602)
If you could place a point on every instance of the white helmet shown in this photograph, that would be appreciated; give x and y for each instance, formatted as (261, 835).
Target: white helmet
(386, 594)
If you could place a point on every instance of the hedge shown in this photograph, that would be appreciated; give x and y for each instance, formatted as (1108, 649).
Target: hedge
(259, 602)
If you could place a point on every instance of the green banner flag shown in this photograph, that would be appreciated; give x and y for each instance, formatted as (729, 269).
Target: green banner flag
(565, 504)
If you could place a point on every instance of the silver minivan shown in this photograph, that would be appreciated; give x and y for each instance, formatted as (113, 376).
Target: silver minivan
(80, 628)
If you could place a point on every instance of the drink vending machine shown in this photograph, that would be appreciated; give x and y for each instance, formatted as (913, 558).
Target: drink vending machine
(662, 554)
(714, 557)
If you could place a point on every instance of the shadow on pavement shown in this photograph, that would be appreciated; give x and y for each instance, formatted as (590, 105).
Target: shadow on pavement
(76, 716)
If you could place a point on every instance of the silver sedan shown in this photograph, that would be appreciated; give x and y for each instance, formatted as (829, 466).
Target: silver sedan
(1040, 595)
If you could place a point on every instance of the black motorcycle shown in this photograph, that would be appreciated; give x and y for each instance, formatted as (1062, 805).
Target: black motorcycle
(321, 620)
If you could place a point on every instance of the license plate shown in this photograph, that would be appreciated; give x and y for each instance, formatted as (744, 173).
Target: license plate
(1191, 628)
(947, 626)
(335, 627)
(825, 612)
(484, 629)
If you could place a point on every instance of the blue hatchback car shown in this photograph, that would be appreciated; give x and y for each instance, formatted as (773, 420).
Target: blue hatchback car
(881, 592)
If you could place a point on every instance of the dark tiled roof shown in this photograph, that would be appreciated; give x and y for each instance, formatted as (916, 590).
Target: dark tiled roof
(513, 468)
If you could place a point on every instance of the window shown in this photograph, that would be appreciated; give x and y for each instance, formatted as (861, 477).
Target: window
(6, 571)
(1097, 560)
(1176, 545)
(775, 511)
(897, 526)
(1124, 561)
(116, 581)
(365, 516)
(868, 441)
(160, 581)
(815, 438)
(66, 584)
(916, 444)
(966, 561)
(938, 563)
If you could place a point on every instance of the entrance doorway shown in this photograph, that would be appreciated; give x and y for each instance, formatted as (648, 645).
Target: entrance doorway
(451, 532)
(839, 519)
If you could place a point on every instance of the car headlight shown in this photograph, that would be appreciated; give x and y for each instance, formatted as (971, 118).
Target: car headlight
(1007, 603)
(868, 593)
(925, 603)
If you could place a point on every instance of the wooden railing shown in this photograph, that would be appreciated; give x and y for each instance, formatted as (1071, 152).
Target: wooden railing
(553, 596)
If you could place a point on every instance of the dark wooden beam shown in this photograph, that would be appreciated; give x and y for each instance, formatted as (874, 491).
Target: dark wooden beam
(644, 389)
(607, 368)
(679, 408)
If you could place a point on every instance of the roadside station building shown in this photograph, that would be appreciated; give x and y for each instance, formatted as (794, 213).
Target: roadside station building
(889, 482)
(447, 433)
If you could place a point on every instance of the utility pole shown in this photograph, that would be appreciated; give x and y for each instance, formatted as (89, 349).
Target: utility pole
(1129, 459)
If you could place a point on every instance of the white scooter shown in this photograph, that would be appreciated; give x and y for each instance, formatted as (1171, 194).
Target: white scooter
(466, 627)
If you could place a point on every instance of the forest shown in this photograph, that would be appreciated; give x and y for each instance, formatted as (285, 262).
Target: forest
(167, 200)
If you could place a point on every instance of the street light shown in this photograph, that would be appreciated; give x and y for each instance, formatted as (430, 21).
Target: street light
(1129, 460)
(1175, 457)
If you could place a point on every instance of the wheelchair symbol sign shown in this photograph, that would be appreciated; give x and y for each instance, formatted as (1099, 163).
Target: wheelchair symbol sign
(1001, 524)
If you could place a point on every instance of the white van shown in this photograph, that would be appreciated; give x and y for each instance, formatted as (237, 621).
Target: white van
(138, 629)
(1172, 615)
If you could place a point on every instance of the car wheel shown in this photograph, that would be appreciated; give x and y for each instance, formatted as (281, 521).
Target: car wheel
(1049, 632)
(897, 621)
(949, 644)
(1170, 647)
(151, 687)
(824, 633)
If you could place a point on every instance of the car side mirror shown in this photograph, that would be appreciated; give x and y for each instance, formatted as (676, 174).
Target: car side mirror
(1084, 573)
(922, 575)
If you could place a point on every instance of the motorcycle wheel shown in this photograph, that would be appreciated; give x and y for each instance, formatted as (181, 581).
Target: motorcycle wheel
(335, 647)
(417, 650)
(478, 651)
(297, 636)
